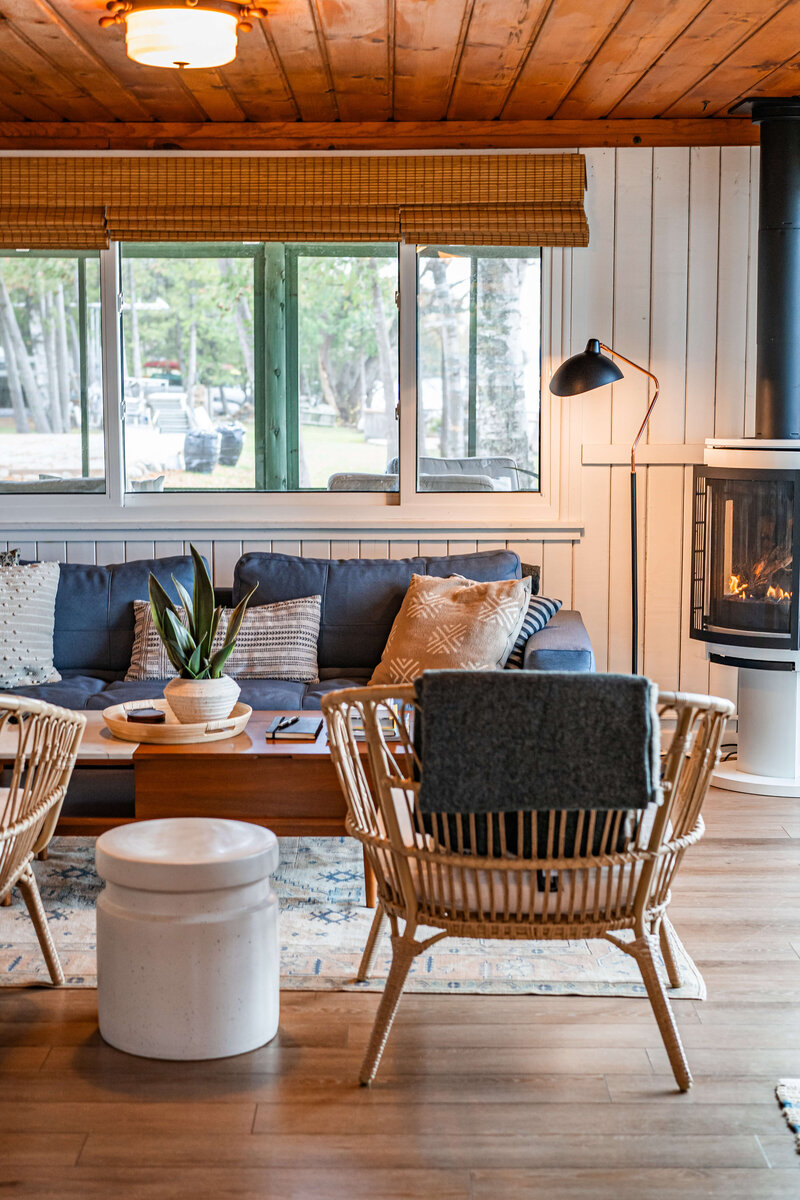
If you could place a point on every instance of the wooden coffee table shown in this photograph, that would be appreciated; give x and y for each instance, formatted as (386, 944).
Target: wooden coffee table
(291, 787)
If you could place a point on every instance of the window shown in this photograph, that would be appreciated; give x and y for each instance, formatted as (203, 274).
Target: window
(265, 367)
(51, 389)
(208, 372)
(479, 373)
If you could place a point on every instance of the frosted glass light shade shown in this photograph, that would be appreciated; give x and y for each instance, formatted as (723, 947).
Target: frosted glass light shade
(180, 37)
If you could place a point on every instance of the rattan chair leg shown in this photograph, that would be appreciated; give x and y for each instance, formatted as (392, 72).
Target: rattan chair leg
(372, 941)
(6, 901)
(404, 951)
(665, 938)
(643, 951)
(30, 893)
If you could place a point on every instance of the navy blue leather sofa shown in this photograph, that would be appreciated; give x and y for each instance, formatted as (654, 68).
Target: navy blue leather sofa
(360, 600)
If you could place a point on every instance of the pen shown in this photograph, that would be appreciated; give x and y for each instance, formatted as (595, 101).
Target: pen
(285, 722)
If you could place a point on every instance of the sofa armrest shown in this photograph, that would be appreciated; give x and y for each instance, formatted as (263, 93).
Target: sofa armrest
(563, 645)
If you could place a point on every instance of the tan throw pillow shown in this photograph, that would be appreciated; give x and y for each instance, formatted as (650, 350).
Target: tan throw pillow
(27, 619)
(453, 623)
(276, 641)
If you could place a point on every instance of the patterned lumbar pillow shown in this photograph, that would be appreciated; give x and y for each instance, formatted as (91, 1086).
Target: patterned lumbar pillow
(453, 623)
(9, 558)
(278, 641)
(275, 641)
(540, 610)
(27, 618)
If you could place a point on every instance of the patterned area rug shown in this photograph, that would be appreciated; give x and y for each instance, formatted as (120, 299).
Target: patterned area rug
(324, 928)
(788, 1093)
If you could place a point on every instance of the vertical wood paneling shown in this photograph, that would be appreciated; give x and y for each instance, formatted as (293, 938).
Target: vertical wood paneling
(631, 298)
(27, 550)
(592, 316)
(373, 550)
(286, 547)
(456, 546)
(403, 549)
(226, 556)
(701, 320)
(662, 606)
(137, 550)
(663, 494)
(344, 549)
(311, 548)
(556, 580)
(432, 549)
(670, 238)
(256, 547)
(51, 551)
(734, 240)
(81, 552)
(110, 552)
(166, 549)
(530, 553)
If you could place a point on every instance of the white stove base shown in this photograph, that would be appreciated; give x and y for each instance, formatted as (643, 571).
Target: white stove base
(726, 776)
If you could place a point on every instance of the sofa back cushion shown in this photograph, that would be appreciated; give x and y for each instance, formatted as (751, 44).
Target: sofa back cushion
(94, 610)
(360, 596)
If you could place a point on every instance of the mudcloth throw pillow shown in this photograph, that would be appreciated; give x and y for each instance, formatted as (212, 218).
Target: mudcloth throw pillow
(453, 623)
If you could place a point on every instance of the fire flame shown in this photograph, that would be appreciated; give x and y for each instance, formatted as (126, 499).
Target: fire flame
(739, 589)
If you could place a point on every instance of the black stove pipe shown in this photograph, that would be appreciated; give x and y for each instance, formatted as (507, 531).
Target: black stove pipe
(778, 321)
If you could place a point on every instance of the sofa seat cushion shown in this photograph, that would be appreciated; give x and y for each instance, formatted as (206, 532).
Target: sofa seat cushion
(73, 691)
(316, 691)
(563, 645)
(360, 596)
(264, 694)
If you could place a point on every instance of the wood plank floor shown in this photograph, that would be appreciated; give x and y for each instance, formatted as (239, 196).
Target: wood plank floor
(492, 1098)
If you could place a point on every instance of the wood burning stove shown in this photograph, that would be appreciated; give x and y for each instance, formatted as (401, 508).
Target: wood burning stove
(746, 557)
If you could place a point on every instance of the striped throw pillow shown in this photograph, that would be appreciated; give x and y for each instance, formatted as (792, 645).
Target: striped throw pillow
(276, 641)
(540, 610)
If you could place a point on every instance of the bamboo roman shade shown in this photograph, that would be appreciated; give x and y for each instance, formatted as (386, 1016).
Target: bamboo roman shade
(480, 199)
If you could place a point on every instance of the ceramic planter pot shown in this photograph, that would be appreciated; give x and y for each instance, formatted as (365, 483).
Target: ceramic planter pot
(196, 700)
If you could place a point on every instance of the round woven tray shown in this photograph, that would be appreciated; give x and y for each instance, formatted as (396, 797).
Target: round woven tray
(172, 732)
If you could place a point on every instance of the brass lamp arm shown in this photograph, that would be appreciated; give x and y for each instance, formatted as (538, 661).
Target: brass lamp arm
(651, 405)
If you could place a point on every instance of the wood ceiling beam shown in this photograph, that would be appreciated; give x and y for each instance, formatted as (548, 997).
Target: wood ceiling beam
(372, 135)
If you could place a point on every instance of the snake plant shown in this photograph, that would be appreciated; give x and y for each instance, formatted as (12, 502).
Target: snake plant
(189, 642)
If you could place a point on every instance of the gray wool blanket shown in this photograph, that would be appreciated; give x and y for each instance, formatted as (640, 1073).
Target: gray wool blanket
(509, 741)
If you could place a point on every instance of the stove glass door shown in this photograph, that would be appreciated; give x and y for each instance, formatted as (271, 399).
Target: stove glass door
(750, 541)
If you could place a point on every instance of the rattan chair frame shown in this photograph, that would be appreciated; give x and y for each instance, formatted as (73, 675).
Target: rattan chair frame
(617, 885)
(46, 740)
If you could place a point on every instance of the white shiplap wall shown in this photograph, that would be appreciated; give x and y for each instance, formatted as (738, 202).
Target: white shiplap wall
(669, 279)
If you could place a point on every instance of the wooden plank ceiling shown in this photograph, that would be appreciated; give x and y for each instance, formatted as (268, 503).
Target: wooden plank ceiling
(416, 72)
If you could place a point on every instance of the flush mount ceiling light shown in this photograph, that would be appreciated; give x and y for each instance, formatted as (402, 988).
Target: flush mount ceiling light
(182, 33)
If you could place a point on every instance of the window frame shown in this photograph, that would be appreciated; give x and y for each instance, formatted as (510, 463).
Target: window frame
(555, 507)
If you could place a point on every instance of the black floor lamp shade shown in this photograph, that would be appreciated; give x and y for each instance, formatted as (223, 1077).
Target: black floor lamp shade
(584, 372)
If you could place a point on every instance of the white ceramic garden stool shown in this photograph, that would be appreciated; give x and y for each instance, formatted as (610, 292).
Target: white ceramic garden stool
(187, 938)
